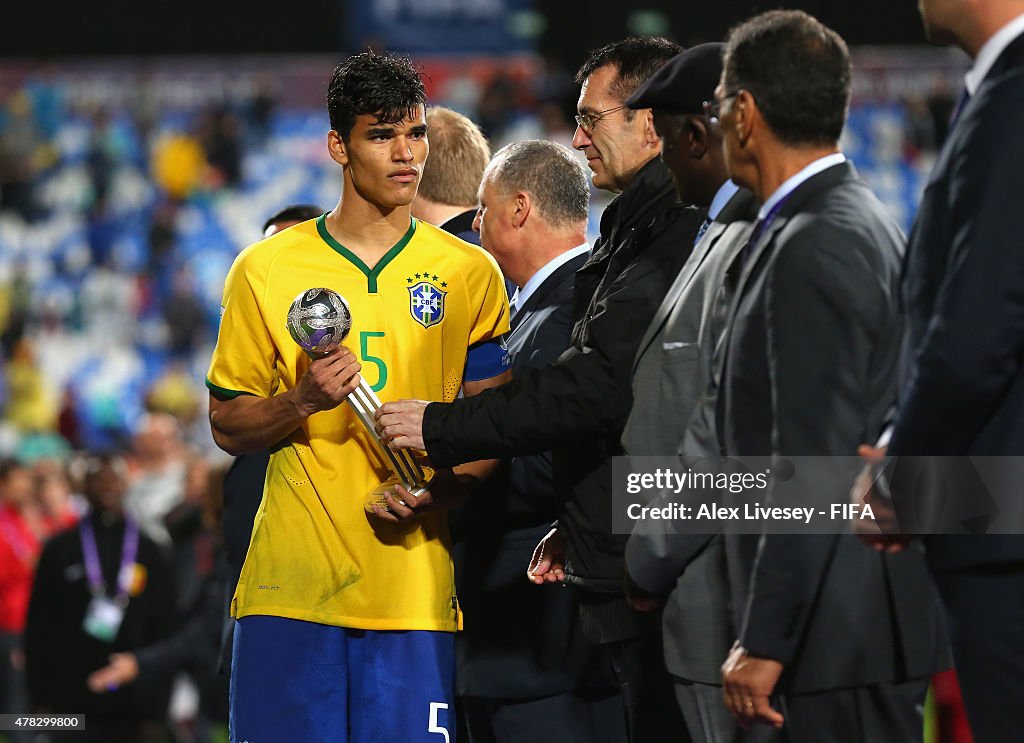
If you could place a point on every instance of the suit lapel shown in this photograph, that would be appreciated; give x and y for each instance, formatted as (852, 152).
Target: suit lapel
(1011, 57)
(794, 204)
(737, 208)
(675, 292)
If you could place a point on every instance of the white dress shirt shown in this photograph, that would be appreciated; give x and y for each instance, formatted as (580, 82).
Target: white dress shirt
(989, 53)
(790, 184)
(523, 293)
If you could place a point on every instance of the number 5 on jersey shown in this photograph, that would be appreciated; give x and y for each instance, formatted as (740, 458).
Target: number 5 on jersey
(367, 358)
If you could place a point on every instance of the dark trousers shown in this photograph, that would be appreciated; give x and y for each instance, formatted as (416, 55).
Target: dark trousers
(629, 656)
(707, 718)
(985, 608)
(570, 717)
(648, 699)
(102, 731)
(880, 713)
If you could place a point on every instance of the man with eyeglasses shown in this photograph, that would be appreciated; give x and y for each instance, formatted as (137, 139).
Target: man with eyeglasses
(675, 380)
(578, 406)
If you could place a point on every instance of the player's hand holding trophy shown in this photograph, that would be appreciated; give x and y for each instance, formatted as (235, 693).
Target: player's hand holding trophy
(319, 320)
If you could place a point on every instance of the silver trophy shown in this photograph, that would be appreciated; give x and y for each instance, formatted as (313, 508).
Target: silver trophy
(319, 320)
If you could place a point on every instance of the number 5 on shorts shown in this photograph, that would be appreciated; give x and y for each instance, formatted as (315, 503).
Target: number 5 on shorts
(432, 726)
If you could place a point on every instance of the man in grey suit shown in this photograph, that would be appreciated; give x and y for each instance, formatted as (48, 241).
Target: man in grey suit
(674, 381)
(836, 642)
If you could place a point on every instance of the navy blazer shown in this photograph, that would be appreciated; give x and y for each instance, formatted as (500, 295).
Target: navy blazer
(520, 640)
(963, 294)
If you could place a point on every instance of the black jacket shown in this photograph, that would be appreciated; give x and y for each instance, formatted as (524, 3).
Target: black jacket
(579, 405)
(59, 654)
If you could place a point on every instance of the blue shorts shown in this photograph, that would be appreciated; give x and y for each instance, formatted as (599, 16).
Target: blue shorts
(300, 682)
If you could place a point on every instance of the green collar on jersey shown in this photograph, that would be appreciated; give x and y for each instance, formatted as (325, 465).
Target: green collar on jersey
(371, 274)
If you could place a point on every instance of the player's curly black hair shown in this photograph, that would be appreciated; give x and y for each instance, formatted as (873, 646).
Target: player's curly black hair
(381, 85)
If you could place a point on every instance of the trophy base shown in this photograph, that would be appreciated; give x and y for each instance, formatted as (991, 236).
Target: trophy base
(376, 498)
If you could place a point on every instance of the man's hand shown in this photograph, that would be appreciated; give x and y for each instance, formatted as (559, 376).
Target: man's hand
(401, 423)
(747, 683)
(122, 669)
(548, 562)
(327, 382)
(447, 488)
(248, 423)
(881, 533)
(403, 505)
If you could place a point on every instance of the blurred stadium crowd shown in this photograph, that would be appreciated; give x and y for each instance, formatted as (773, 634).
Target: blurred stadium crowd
(118, 223)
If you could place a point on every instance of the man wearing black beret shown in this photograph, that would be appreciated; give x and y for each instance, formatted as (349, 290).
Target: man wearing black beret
(578, 406)
(675, 380)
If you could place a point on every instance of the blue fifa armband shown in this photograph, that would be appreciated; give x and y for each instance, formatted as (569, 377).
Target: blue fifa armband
(486, 359)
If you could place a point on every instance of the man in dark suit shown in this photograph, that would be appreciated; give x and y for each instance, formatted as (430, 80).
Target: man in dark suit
(521, 656)
(962, 392)
(675, 380)
(848, 637)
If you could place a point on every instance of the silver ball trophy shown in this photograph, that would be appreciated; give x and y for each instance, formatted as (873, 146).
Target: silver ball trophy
(319, 320)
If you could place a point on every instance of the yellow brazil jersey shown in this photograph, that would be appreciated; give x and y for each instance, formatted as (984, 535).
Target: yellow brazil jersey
(315, 554)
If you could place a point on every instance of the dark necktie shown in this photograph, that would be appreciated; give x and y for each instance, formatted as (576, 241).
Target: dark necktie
(744, 255)
(703, 228)
(961, 104)
(759, 229)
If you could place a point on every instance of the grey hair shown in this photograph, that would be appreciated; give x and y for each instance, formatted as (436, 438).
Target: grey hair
(550, 173)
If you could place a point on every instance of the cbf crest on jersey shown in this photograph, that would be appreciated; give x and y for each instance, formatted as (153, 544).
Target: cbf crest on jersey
(426, 303)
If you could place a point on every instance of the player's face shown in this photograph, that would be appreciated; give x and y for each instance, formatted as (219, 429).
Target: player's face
(493, 223)
(614, 145)
(383, 162)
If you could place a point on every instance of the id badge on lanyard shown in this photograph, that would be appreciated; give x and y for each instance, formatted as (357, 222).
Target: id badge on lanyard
(104, 615)
(103, 618)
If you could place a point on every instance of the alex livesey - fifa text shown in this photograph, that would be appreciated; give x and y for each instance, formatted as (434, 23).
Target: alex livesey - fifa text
(818, 495)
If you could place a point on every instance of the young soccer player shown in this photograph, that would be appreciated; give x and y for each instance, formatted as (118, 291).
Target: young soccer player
(345, 621)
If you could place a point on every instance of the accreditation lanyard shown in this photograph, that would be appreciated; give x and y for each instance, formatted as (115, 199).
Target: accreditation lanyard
(763, 224)
(94, 573)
